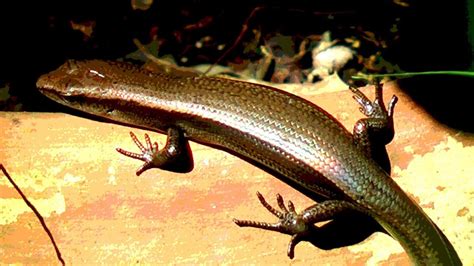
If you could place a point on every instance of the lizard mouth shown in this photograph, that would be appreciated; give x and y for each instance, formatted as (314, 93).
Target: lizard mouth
(59, 90)
(42, 83)
(46, 88)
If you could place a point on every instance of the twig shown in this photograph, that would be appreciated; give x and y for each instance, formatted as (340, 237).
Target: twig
(245, 27)
(149, 56)
(163, 65)
(35, 211)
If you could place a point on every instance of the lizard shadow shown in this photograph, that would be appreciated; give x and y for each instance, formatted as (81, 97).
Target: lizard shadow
(345, 230)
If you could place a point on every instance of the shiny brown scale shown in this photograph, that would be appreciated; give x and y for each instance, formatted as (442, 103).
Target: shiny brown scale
(284, 134)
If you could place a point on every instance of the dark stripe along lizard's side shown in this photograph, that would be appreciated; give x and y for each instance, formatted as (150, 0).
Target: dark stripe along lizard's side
(305, 145)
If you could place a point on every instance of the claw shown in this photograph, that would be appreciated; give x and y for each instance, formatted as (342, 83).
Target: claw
(147, 155)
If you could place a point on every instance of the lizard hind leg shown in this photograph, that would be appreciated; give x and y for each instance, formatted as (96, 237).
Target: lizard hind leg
(301, 226)
(372, 133)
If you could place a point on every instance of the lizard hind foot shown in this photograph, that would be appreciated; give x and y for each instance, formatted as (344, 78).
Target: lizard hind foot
(290, 222)
(301, 226)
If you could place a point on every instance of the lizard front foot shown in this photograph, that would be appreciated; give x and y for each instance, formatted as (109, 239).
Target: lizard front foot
(175, 156)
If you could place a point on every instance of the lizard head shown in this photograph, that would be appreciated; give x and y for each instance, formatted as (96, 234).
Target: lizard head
(73, 82)
(91, 86)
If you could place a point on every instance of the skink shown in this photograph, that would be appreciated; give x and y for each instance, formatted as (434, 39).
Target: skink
(304, 145)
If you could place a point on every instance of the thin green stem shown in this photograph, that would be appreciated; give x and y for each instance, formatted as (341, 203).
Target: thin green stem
(413, 74)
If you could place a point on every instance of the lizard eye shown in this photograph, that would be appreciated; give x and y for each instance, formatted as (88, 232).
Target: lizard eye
(72, 87)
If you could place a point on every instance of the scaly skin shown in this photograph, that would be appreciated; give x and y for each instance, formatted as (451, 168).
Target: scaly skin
(306, 146)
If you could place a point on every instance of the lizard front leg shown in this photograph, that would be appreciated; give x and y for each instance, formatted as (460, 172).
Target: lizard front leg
(176, 156)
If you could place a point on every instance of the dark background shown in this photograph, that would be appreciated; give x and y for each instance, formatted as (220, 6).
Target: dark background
(430, 35)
